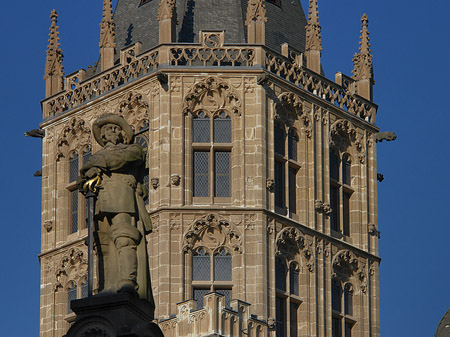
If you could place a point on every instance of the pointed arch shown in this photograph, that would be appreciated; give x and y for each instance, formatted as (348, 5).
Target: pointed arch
(75, 135)
(213, 232)
(214, 95)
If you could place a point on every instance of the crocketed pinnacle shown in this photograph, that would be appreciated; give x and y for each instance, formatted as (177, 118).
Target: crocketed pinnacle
(313, 29)
(166, 10)
(53, 65)
(362, 61)
(256, 11)
(107, 27)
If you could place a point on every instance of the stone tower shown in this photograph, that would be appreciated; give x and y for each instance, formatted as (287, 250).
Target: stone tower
(261, 171)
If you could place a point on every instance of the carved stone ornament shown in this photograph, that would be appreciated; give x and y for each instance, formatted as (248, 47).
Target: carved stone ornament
(166, 10)
(345, 265)
(270, 184)
(155, 183)
(290, 242)
(72, 266)
(212, 232)
(288, 108)
(96, 332)
(322, 207)
(214, 95)
(74, 135)
(373, 230)
(212, 39)
(135, 110)
(343, 134)
(256, 11)
(176, 179)
(48, 225)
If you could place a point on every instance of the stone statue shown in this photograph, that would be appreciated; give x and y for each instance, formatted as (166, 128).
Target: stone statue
(121, 220)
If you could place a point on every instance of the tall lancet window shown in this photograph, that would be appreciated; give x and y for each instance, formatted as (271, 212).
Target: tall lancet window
(340, 191)
(212, 145)
(211, 271)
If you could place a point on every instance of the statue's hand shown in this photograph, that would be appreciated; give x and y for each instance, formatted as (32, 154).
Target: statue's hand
(92, 173)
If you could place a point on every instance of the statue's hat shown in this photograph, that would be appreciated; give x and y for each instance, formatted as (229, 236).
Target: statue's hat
(111, 119)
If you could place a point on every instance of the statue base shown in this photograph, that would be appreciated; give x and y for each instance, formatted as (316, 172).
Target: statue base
(115, 315)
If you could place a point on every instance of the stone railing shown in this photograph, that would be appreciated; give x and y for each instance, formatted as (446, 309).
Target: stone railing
(288, 66)
(77, 91)
(189, 55)
(289, 69)
(213, 319)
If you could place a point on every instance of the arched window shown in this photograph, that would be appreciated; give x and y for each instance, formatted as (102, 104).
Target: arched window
(71, 295)
(340, 192)
(287, 298)
(342, 308)
(211, 274)
(78, 203)
(211, 143)
(142, 139)
(286, 165)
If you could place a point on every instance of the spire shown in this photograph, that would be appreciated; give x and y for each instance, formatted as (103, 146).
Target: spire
(256, 18)
(167, 18)
(107, 36)
(313, 38)
(362, 63)
(54, 70)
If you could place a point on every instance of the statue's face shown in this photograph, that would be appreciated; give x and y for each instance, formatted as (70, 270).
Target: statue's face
(112, 133)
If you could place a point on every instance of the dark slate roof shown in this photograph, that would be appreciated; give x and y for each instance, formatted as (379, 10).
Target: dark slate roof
(139, 23)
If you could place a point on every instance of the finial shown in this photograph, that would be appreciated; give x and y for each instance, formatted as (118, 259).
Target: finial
(256, 11)
(362, 61)
(166, 10)
(107, 36)
(53, 66)
(107, 27)
(313, 36)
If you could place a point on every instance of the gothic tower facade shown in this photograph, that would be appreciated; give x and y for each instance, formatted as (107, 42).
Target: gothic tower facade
(261, 171)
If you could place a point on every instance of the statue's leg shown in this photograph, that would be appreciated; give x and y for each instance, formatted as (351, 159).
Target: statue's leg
(107, 260)
(126, 237)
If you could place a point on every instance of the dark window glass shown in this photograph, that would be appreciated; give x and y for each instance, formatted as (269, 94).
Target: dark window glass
(292, 145)
(198, 296)
(73, 167)
(201, 129)
(280, 275)
(201, 174)
(71, 295)
(348, 302)
(281, 317)
(279, 140)
(336, 296)
(294, 280)
(146, 181)
(222, 174)
(292, 190)
(84, 290)
(227, 294)
(143, 2)
(275, 2)
(222, 266)
(336, 327)
(346, 169)
(346, 214)
(293, 319)
(222, 129)
(348, 329)
(279, 184)
(87, 202)
(74, 212)
(201, 266)
(86, 156)
(334, 203)
(334, 166)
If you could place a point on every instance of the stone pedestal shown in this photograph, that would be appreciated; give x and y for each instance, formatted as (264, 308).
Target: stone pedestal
(115, 315)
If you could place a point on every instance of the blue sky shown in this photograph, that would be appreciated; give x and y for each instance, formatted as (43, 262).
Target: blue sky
(411, 49)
